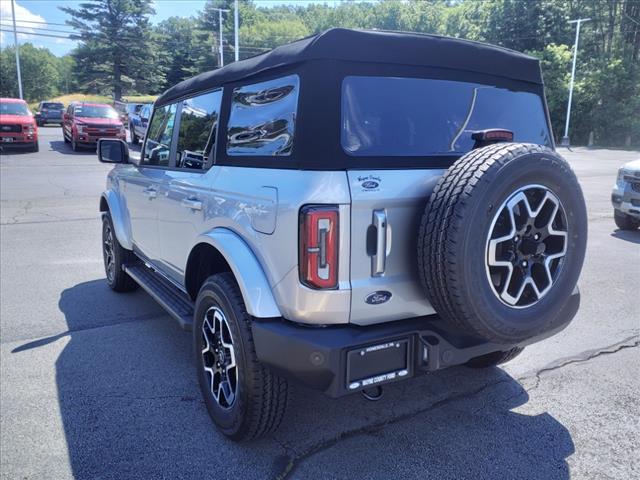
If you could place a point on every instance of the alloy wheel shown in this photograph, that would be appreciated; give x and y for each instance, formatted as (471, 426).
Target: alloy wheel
(218, 356)
(109, 259)
(526, 246)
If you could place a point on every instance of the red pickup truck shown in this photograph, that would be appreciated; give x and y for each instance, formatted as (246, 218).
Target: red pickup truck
(17, 125)
(85, 123)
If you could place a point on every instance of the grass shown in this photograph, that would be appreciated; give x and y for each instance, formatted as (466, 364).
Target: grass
(81, 97)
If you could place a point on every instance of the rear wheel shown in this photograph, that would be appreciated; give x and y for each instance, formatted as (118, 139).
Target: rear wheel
(244, 398)
(502, 241)
(624, 221)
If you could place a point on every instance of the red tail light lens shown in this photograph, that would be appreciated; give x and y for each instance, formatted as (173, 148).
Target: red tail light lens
(318, 258)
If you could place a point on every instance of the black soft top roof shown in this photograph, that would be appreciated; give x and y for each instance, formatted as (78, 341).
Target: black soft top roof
(400, 48)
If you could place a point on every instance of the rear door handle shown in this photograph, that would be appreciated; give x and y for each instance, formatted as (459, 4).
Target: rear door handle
(192, 203)
(150, 192)
(379, 258)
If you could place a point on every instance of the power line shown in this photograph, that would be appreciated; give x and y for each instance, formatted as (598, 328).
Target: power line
(36, 34)
(41, 28)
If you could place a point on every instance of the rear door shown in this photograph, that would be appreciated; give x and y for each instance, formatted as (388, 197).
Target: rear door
(428, 120)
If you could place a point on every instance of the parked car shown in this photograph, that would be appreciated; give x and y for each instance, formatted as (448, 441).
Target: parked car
(125, 110)
(18, 128)
(84, 123)
(138, 122)
(49, 112)
(350, 210)
(626, 196)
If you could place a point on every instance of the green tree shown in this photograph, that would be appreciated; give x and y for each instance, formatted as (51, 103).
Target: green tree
(115, 52)
(38, 66)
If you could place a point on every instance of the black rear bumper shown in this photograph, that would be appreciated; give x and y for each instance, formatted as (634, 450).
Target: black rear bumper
(344, 359)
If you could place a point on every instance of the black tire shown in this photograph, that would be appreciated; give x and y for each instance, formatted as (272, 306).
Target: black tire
(35, 147)
(495, 358)
(454, 237)
(624, 221)
(261, 396)
(117, 279)
(74, 145)
(64, 137)
(134, 138)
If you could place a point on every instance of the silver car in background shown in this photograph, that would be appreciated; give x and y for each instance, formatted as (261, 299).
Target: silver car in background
(625, 196)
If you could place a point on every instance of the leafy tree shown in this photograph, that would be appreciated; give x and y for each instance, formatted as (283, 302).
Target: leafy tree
(38, 68)
(115, 52)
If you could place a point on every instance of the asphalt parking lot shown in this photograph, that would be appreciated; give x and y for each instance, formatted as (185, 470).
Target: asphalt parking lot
(95, 384)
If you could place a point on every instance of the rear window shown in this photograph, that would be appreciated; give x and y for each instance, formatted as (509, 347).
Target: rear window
(391, 116)
(53, 106)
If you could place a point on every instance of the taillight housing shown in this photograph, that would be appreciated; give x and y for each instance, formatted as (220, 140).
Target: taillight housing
(318, 256)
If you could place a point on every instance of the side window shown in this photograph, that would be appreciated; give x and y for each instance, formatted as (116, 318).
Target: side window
(262, 119)
(197, 134)
(157, 148)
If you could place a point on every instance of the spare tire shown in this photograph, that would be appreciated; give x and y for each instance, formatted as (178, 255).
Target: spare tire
(502, 241)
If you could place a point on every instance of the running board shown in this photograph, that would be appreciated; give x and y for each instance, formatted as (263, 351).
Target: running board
(174, 301)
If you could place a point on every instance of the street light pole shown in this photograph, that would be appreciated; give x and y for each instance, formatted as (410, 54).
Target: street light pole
(15, 39)
(220, 50)
(565, 139)
(236, 22)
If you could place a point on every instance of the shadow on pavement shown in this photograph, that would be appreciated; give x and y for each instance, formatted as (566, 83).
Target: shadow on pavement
(131, 408)
(61, 147)
(628, 235)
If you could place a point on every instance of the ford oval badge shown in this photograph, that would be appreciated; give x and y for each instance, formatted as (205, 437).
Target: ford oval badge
(370, 184)
(376, 298)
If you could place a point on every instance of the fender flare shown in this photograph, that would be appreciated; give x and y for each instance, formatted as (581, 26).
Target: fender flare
(254, 285)
(122, 231)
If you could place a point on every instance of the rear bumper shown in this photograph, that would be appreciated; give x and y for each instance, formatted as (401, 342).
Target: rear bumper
(326, 358)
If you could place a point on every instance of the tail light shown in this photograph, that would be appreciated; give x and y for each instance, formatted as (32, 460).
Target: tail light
(318, 257)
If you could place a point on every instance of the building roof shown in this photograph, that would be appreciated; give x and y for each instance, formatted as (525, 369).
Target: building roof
(374, 46)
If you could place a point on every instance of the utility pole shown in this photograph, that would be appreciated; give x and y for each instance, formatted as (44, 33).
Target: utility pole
(15, 39)
(236, 22)
(565, 140)
(220, 50)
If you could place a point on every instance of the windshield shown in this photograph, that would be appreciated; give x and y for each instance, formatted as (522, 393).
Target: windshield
(93, 111)
(10, 108)
(53, 106)
(391, 116)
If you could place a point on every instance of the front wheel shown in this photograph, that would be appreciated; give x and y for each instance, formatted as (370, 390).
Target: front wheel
(624, 221)
(244, 398)
(74, 144)
(134, 138)
(115, 257)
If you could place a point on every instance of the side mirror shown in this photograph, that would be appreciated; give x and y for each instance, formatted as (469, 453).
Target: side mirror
(113, 151)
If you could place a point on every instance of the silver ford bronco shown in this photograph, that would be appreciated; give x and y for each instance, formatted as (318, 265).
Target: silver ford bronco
(349, 210)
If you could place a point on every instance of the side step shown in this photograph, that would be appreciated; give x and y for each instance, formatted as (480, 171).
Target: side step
(175, 302)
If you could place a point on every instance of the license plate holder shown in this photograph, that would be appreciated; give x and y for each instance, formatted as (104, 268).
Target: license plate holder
(376, 364)
(7, 139)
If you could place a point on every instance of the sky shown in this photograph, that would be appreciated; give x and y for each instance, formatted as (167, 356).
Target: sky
(48, 19)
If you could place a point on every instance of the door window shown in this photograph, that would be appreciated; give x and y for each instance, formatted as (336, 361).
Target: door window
(157, 148)
(262, 119)
(197, 130)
